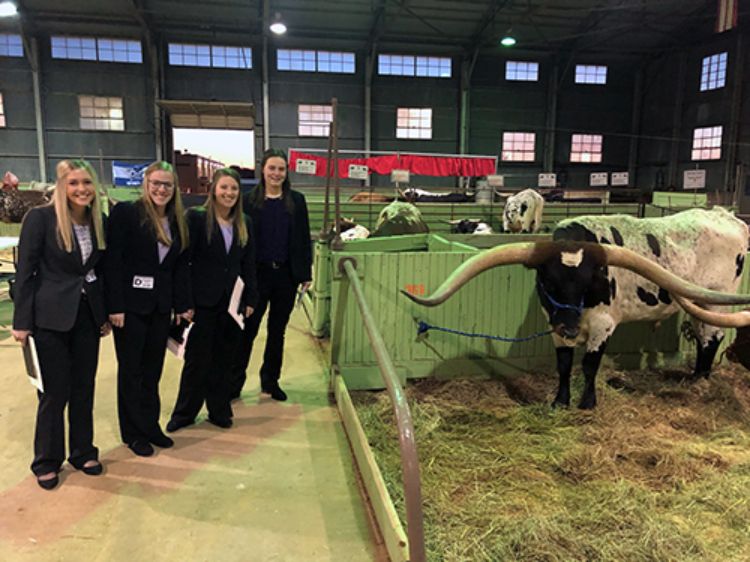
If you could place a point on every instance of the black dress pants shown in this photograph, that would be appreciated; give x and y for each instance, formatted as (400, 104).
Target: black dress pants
(277, 291)
(210, 348)
(140, 345)
(68, 363)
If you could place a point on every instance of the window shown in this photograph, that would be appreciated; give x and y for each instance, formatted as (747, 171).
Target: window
(117, 50)
(315, 61)
(408, 65)
(101, 113)
(413, 123)
(2, 111)
(314, 120)
(591, 74)
(10, 45)
(522, 71)
(707, 143)
(586, 148)
(216, 56)
(518, 147)
(96, 48)
(714, 72)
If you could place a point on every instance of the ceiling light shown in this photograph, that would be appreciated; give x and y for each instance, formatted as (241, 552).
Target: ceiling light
(278, 27)
(508, 40)
(7, 9)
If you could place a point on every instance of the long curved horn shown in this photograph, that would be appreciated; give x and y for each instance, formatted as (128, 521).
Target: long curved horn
(719, 319)
(622, 257)
(506, 254)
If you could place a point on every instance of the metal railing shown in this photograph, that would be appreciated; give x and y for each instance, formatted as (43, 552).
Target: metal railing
(407, 439)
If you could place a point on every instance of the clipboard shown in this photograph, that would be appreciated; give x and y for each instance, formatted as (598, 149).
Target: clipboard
(178, 338)
(31, 359)
(235, 303)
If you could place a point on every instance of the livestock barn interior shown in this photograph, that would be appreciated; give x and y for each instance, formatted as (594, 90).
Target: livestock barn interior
(414, 432)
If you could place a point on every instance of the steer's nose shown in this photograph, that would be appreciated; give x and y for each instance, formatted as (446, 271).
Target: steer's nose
(568, 332)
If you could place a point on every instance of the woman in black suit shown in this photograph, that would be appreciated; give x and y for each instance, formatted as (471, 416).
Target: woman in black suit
(146, 278)
(58, 300)
(284, 263)
(221, 251)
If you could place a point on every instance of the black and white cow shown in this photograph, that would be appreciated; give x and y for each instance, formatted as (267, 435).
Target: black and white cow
(416, 195)
(600, 271)
(523, 212)
(469, 226)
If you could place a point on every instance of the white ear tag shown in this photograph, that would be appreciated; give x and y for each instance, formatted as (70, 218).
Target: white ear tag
(572, 259)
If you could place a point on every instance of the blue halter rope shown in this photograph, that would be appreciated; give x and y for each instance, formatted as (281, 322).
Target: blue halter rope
(558, 305)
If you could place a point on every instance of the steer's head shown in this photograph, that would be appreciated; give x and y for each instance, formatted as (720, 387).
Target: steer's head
(570, 277)
(514, 211)
(574, 274)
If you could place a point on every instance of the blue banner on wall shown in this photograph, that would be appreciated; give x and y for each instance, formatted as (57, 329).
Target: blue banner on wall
(125, 174)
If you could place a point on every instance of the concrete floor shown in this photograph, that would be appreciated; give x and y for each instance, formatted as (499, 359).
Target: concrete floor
(279, 485)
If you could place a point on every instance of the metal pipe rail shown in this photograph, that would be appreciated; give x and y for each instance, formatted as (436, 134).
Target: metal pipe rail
(407, 440)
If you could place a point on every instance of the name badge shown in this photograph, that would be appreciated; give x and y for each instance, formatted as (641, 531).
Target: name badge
(143, 282)
(90, 276)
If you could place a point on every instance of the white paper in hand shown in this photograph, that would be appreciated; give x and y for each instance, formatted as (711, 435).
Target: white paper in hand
(235, 303)
(178, 338)
(31, 359)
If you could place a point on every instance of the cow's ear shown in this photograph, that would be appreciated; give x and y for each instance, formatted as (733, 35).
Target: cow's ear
(599, 291)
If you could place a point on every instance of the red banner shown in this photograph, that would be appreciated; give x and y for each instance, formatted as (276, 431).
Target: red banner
(417, 165)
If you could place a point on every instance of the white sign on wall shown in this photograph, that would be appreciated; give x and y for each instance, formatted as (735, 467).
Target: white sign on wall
(306, 166)
(598, 179)
(694, 179)
(358, 171)
(620, 178)
(496, 180)
(400, 176)
(547, 180)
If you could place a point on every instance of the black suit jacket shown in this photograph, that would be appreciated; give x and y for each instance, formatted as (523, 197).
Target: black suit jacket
(213, 271)
(132, 251)
(300, 245)
(49, 280)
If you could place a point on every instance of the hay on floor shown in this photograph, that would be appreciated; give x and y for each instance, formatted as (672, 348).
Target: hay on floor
(659, 471)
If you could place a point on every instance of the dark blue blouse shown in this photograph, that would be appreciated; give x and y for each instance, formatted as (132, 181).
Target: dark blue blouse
(273, 234)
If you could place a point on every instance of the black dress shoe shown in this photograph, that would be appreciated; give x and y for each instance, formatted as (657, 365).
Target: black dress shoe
(141, 448)
(274, 390)
(173, 425)
(161, 440)
(224, 423)
(48, 484)
(93, 470)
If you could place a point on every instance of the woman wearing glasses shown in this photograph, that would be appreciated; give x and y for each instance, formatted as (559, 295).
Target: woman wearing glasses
(58, 300)
(284, 262)
(221, 252)
(146, 278)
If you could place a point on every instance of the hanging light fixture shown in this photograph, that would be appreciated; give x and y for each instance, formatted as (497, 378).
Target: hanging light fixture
(508, 40)
(277, 26)
(8, 9)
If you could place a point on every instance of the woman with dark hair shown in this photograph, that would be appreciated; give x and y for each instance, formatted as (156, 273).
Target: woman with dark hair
(221, 251)
(146, 278)
(284, 262)
(58, 300)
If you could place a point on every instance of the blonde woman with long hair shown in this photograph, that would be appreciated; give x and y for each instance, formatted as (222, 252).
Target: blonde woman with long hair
(58, 300)
(221, 251)
(147, 279)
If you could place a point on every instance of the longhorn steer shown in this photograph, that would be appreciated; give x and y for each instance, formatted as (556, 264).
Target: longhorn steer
(523, 212)
(600, 271)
